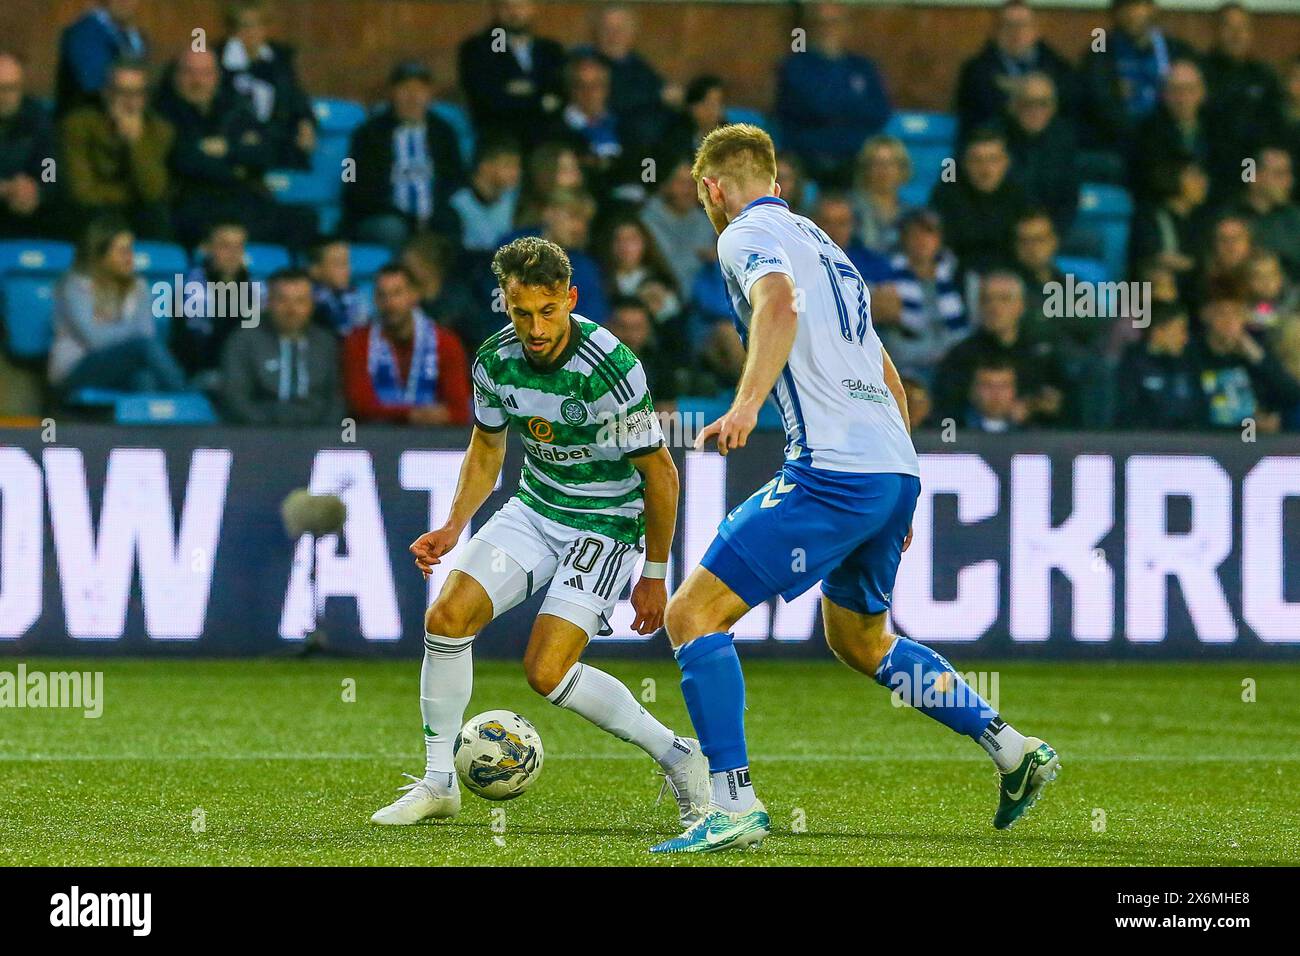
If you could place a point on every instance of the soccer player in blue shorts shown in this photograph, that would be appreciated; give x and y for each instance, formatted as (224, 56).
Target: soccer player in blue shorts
(842, 501)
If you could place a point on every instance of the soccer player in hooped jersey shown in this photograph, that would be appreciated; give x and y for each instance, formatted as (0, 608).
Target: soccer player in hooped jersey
(597, 481)
(844, 496)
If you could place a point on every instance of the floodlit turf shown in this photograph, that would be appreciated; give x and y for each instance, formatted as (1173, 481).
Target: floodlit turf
(264, 762)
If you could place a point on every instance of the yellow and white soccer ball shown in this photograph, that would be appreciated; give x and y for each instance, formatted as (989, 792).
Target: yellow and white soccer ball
(498, 755)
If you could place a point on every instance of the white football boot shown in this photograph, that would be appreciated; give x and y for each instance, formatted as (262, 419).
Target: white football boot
(690, 785)
(420, 801)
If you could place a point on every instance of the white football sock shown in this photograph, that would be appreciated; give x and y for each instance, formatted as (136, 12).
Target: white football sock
(607, 703)
(1004, 744)
(732, 790)
(446, 680)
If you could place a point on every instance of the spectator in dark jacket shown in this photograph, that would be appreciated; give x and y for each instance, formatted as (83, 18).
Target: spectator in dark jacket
(284, 371)
(993, 404)
(1245, 95)
(1015, 50)
(1042, 383)
(219, 158)
(264, 72)
(512, 79)
(1044, 151)
(1036, 245)
(1181, 126)
(630, 320)
(980, 208)
(116, 155)
(637, 91)
(26, 145)
(1122, 72)
(1267, 205)
(402, 368)
(1239, 377)
(408, 166)
(828, 101)
(200, 334)
(703, 110)
(1286, 128)
(1158, 379)
(1171, 226)
(101, 36)
(340, 305)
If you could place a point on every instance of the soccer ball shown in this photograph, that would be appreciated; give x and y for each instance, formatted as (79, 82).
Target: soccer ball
(498, 755)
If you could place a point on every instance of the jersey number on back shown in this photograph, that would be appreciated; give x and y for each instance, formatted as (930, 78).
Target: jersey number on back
(840, 273)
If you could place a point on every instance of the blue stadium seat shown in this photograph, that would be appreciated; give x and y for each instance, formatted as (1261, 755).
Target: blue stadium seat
(264, 259)
(457, 117)
(338, 116)
(914, 126)
(160, 260)
(1104, 214)
(164, 408)
(94, 397)
(314, 187)
(1083, 270)
(330, 216)
(367, 260)
(29, 271)
(927, 165)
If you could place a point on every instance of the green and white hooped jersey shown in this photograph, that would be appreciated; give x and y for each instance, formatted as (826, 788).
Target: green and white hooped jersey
(581, 421)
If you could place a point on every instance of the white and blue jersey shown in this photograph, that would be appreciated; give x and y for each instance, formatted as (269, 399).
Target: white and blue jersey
(838, 413)
(845, 495)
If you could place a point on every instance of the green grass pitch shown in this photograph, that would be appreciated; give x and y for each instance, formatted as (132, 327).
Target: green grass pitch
(265, 762)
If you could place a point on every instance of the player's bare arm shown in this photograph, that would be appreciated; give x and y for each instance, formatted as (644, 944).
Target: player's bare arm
(771, 337)
(650, 595)
(478, 476)
(894, 382)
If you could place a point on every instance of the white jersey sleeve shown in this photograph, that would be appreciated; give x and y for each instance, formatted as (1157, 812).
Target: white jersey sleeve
(748, 252)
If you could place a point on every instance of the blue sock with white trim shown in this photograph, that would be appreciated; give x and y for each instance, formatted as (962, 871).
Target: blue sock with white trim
(714, 688)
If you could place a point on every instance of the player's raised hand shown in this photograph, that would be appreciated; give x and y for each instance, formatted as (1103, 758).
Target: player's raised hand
(429, 547)
(649, 598)
(731, 430)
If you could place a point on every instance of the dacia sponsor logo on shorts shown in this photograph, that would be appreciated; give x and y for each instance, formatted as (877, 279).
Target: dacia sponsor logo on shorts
(573, 411)
(866, 391)
(541, 429)
(557, 454)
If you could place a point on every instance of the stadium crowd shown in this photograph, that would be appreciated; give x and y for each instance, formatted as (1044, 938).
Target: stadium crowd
(591, 148)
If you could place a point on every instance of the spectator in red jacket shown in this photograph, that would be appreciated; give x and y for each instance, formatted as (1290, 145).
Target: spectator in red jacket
(402, 367)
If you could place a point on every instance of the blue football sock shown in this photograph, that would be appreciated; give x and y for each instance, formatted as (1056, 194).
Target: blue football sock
(714, 688)
(928, 682)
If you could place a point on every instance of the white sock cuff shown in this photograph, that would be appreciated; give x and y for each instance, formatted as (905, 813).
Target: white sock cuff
(566, 685)
(446, 646)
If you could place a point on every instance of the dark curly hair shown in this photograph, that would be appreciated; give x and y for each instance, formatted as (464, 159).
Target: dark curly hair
(531, 260)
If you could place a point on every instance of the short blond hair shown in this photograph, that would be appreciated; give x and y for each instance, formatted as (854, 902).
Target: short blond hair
(738, 150)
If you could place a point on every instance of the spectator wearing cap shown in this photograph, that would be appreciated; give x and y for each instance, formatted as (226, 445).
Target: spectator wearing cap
(1015, 50)
(102, 35)
(1121, 83)
(883, 169)
(931, 315)
(513, 80)
(403, 368)
(1043, 148)
(1158, 379)
(265, 73)
(284, 370)
(116, 155)
(1041, 379)
(408, 165)
(980, 207)
(828, 101)
(26, 144)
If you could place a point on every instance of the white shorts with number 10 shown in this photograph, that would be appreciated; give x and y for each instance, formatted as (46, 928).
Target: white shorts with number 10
(517, 551)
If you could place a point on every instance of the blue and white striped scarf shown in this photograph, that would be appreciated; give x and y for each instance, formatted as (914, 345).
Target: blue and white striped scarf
(421, 386)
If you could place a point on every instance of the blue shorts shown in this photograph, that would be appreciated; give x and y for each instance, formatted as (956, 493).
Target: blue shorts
(808, 525)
